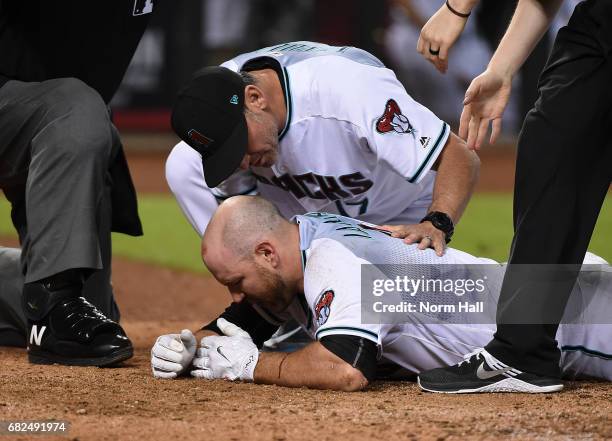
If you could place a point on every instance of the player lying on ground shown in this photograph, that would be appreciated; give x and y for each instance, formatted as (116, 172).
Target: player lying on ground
(313, 127)
(309, 269)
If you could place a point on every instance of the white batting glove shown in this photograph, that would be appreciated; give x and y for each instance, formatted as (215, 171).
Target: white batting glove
(230, 357)
(172, 354)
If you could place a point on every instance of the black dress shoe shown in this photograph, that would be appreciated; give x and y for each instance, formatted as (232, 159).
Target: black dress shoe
(65, 328)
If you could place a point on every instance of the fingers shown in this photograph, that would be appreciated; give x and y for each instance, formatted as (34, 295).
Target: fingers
(160, 364)
(443, 55)
(188, 338)
(472, 132)
(163, 352)
(472, 91)
(421, 45)
(483, 127)
(170, 341)
(497, 125)
(164, 375)
(466, 115)
(201, 362)
(208, 342)
(425, 243)
(439, 245)
(202, 352)
(412, 238)
(205, 374)
(230, 329)
(395, 230)
(441, 59)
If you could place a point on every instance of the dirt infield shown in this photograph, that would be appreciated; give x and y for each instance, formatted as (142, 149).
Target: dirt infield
(127, 403)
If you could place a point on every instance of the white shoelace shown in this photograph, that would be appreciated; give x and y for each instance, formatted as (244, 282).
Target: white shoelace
(466, 358)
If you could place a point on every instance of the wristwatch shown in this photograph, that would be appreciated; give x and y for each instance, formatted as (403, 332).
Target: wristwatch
(442, 222)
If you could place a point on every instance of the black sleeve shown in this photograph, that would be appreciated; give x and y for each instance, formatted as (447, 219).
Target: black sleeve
(359, 352)
(246, 317)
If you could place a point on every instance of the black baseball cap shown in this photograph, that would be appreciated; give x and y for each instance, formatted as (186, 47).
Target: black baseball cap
(208, 114)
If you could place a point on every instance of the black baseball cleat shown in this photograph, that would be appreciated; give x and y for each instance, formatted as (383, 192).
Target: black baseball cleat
(64, 328)
(481, 372)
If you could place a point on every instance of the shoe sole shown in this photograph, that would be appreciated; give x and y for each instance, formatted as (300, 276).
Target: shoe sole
(512, 385)
(43, 357)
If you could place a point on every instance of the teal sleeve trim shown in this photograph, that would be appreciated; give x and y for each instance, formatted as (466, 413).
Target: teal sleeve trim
(440, 141)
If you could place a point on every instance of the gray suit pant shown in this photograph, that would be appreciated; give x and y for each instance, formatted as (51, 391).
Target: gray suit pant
(56, 143)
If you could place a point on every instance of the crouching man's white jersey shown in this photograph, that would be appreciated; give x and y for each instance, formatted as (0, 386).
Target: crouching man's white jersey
(334, 248)
(354, 143)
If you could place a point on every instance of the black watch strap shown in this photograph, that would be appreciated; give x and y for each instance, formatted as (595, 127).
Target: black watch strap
(442, 222)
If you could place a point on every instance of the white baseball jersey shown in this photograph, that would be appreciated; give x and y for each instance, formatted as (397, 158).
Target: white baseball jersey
(354, 143)
(334, 248)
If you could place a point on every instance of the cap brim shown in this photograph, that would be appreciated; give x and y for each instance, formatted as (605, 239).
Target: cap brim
(227, 158)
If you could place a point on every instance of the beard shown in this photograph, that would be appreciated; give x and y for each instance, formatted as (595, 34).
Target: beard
(277, 296)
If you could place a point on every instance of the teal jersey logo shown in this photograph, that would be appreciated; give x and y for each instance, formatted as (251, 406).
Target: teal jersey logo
(234, 99)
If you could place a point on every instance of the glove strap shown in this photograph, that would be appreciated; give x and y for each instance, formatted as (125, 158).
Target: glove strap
(248, 370)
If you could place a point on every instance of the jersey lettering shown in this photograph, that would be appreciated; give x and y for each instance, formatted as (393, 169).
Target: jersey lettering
(304, 180)
(320, 187)
(356, 183)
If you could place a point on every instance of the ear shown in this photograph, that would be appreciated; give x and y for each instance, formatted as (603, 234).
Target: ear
(254, 98)
(267, 252)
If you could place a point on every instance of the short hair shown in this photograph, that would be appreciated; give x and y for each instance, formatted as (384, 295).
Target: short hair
(253, 219)
(248, 78)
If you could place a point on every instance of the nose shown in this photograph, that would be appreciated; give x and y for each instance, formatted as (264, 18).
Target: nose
(237, 297)
(244, 164)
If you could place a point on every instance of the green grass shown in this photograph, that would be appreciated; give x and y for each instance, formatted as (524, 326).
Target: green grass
(169, 240)
(486, 228)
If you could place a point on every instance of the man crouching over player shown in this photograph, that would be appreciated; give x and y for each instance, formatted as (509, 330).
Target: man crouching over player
(309, 270)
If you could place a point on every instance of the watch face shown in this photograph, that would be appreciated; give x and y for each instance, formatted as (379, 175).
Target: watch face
(442, 222)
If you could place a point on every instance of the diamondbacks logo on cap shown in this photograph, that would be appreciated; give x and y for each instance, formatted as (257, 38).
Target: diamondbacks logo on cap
(142, 7)
(234, 99)
(198, 138)
(323, 307)
(393, 120)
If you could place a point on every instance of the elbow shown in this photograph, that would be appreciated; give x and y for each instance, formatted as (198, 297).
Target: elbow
(352, 380)
(183, 166)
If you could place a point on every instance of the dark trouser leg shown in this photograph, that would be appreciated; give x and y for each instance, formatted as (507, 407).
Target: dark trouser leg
(97, 288)
(564, 168)
(55, 144)
(59, 136)
(69, 149)
(12, 319)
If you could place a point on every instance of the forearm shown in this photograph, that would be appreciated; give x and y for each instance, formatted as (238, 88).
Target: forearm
(307, 367)
(529, 23)
(458, 170)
